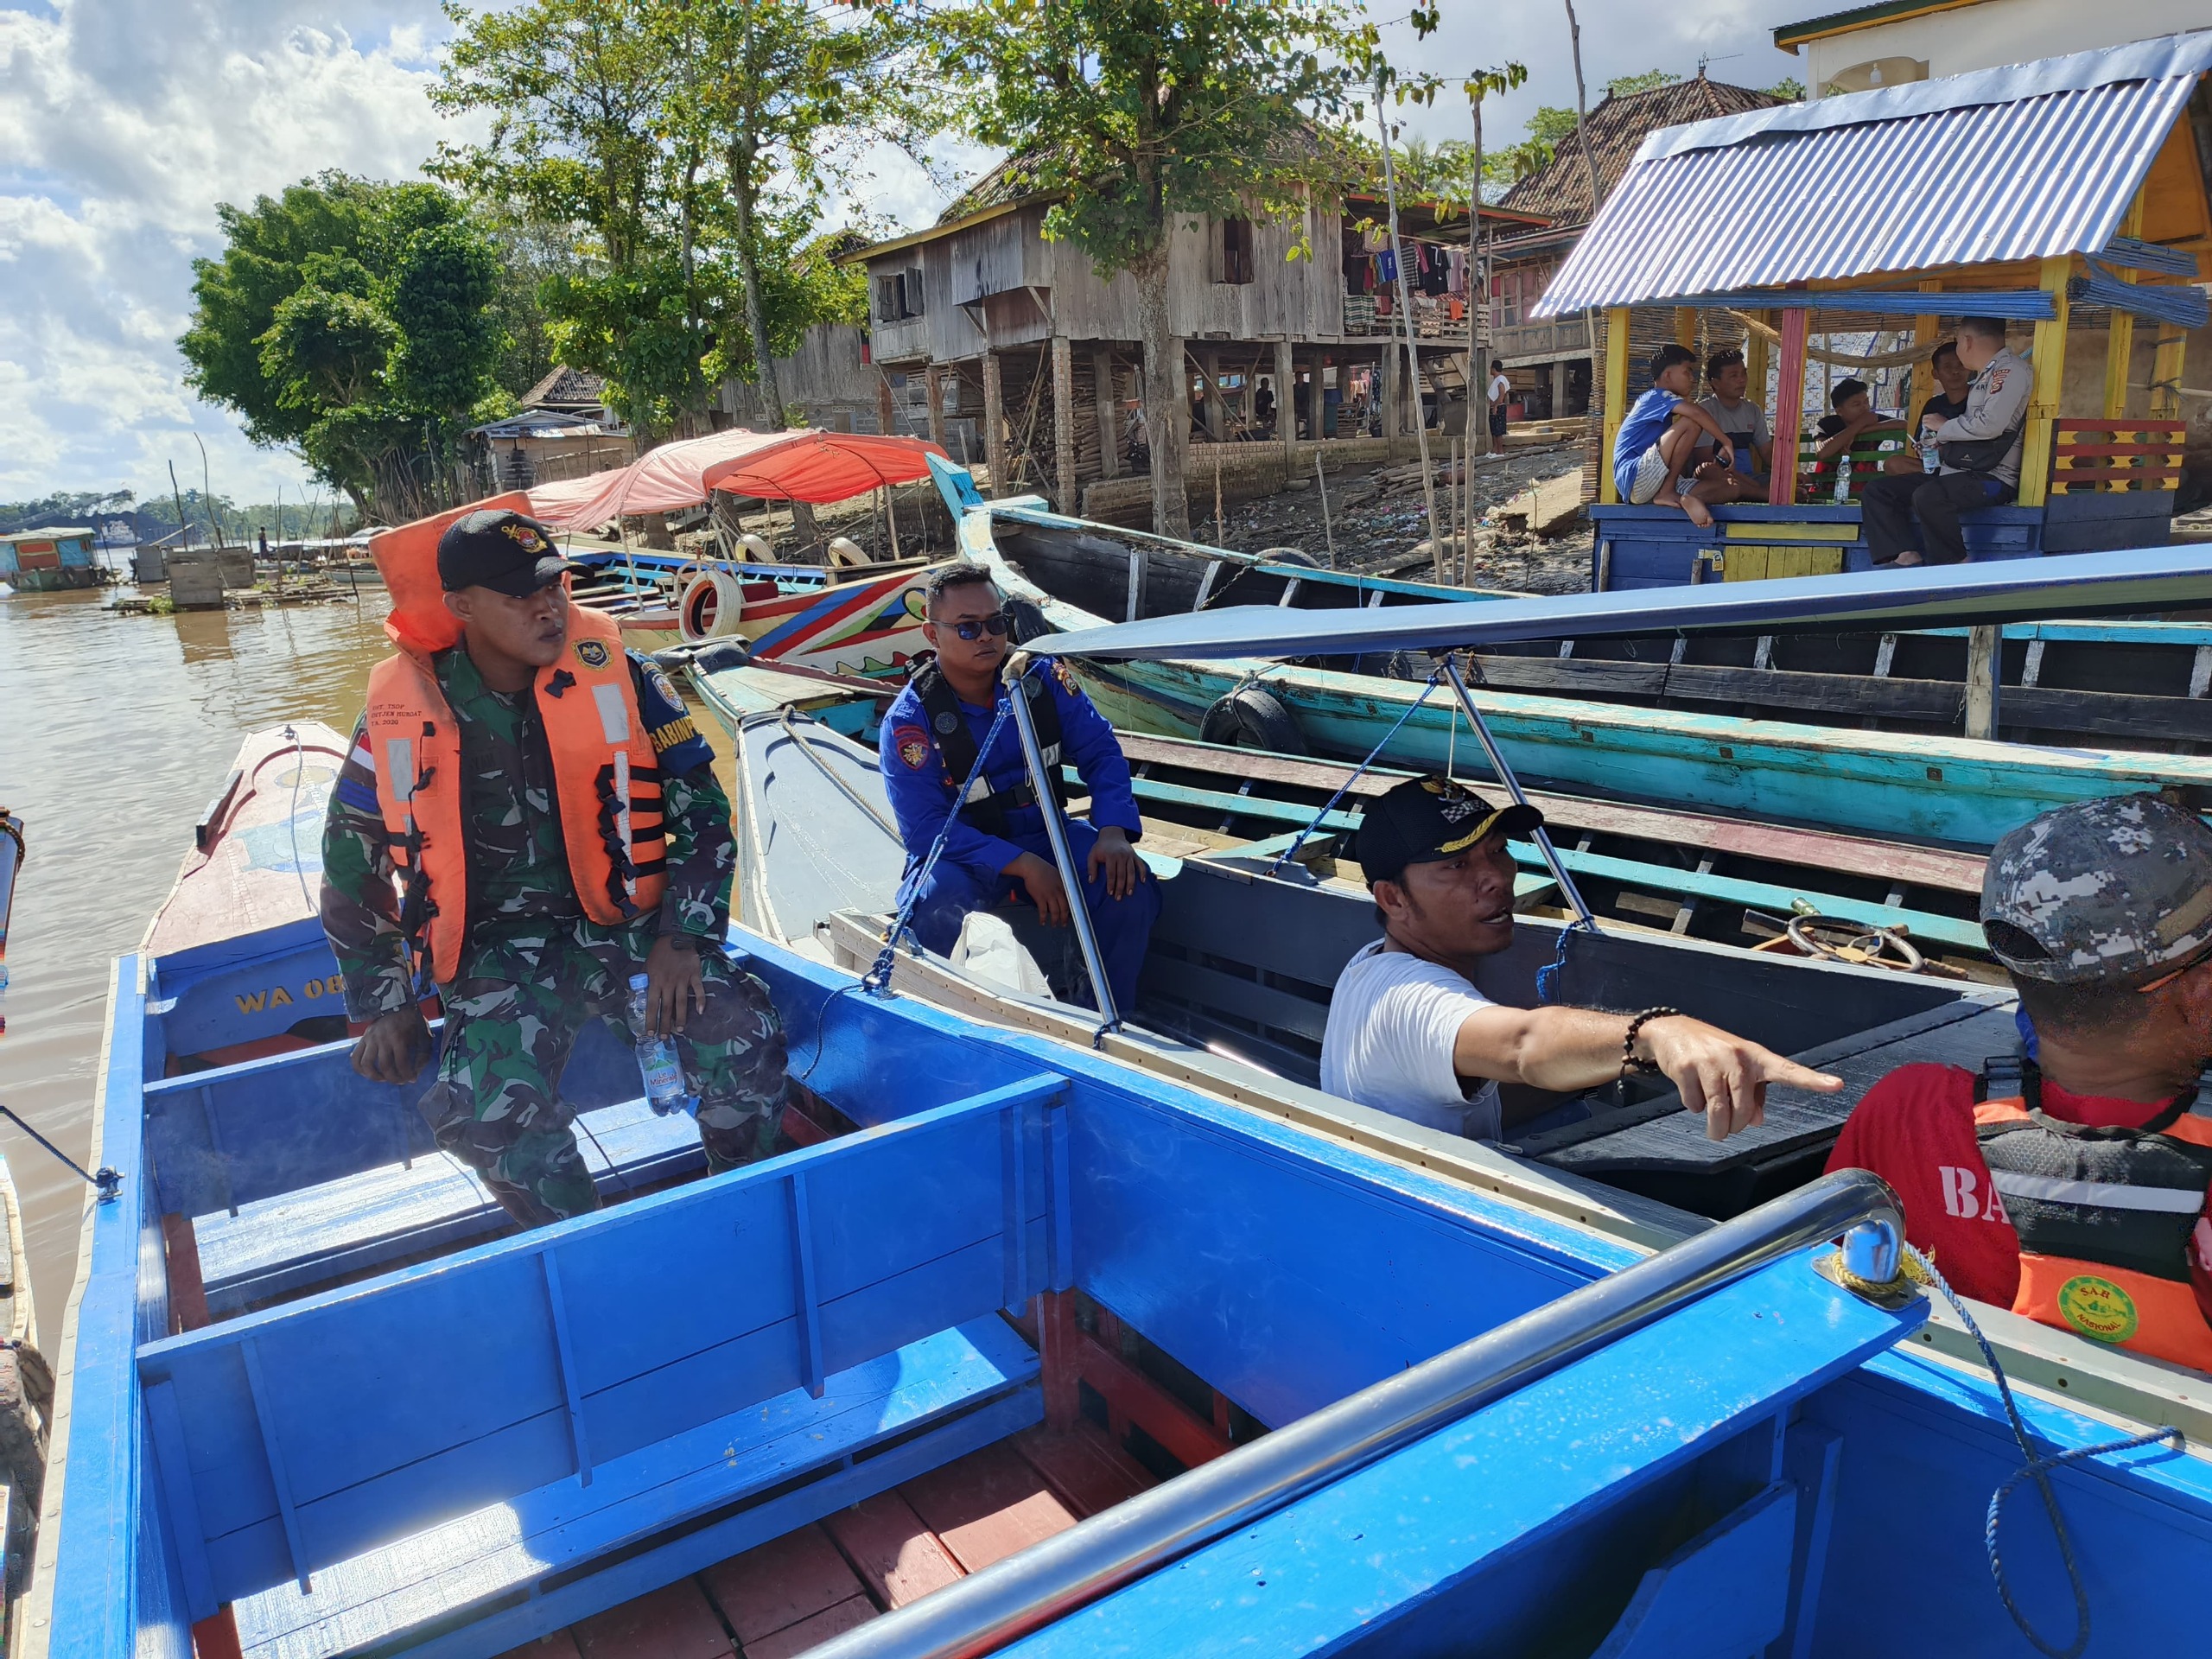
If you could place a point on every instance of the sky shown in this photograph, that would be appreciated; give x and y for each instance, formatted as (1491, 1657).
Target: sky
(123, 124)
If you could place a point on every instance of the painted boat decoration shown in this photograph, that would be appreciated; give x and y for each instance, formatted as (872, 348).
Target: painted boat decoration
(1037, 1305)
(11, 868)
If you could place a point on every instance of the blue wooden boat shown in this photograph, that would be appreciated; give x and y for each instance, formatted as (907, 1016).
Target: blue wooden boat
(1041, 1353)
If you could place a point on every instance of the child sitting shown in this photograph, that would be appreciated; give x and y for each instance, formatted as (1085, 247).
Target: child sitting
(1657, 444)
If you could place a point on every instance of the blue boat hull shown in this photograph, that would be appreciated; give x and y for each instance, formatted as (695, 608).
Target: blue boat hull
(629, 1397)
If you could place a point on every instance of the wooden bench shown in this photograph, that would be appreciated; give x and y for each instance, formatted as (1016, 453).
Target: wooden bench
(2114, 456)
(624, 1384)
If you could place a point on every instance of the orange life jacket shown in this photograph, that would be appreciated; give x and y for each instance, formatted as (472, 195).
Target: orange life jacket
(605, 779)
(2104, 1218)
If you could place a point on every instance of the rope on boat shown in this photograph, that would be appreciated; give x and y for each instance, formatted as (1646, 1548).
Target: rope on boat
(876, 982)
(1357, 772)
(1918, 1269)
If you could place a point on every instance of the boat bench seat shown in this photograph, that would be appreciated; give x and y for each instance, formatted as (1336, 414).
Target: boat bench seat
(283, 1245)
(692, 1371)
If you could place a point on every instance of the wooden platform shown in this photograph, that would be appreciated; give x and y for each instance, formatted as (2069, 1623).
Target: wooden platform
(785, 1596)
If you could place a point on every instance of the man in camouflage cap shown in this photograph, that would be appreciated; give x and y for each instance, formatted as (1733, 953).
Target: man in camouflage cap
(2090, 1154)
(528, 964)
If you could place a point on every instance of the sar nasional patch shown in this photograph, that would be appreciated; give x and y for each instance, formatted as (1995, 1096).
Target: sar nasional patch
(592, 653)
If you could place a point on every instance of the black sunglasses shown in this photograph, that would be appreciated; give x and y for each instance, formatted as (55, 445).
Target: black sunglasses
(993, 625)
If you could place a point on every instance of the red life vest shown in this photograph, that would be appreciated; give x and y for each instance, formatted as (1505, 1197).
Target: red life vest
(605, 779)
(2107, 1220)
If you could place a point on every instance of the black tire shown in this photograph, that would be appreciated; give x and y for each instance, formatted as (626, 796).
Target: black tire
(732, 653)
(1252, 717)
(1028, 620)
(1290, 555)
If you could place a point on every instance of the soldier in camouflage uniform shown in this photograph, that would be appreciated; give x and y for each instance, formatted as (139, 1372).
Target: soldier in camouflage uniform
(533, 967)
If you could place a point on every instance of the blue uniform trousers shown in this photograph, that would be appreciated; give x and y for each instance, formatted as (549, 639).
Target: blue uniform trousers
(1124, 926)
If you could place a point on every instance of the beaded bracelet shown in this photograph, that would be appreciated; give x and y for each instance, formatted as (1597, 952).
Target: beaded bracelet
(1629, 1062)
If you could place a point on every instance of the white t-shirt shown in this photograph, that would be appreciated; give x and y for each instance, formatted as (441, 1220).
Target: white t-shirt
(1392, 1025)
(1500, 387)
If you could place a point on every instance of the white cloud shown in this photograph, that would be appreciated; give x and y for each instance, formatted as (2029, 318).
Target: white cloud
(122, 123)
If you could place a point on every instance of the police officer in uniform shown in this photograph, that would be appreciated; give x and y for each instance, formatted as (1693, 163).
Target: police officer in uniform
(528, 810)
(997, 848)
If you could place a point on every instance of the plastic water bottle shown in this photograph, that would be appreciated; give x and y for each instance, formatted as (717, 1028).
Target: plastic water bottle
(658, 1063)
(1931, 458)
(1843, 480)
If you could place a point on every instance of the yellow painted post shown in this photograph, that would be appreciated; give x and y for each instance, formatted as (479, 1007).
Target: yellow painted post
(2120, 335)
(2165, 373)
(1755, 357)
(2050, 376)
(1921, 386)
(1685, 325)
(1617, 325)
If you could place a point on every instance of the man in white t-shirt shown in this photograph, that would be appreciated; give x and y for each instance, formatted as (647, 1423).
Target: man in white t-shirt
(1501, 397)
(1409, 1033)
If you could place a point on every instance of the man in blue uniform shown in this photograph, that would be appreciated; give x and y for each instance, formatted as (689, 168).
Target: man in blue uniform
(997, 848)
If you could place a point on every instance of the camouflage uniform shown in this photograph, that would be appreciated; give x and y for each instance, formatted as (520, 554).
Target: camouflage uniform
(534, 968)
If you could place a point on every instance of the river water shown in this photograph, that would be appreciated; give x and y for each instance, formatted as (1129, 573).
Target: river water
(115, 732)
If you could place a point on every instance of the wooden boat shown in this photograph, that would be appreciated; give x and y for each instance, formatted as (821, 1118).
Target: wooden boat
(1037, 1304)
(2139, 684)
(864, 621)
(1765, 887)
(1889, 785)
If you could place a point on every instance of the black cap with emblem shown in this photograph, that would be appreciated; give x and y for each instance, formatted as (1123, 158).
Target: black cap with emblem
(501, 550)
(1426, 820)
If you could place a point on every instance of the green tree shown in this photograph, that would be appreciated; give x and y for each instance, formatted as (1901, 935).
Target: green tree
(1131, 115)
(351, 321)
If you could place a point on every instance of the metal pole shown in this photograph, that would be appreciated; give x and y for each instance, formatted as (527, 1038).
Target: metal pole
(1513, 788)
(1048, 804)
(1049, 1580)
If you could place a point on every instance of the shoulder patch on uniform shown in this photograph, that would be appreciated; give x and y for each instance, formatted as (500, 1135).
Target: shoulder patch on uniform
(911, 745)
(663, 686)
(679, 730)
(1066, 679)
(592, 653)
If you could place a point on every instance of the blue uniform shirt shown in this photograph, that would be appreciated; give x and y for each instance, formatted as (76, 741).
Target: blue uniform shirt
(922, 795)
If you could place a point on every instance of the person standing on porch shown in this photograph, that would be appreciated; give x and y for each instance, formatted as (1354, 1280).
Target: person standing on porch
(1500, 395)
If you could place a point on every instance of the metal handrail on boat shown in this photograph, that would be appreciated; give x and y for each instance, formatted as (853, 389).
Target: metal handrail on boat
(1050, 1579)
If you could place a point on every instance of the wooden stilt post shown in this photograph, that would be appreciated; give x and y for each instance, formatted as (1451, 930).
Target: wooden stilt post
(994, 426)
(1617, 324)
(1287, 406)
(1920, 386)
(2050, 376)
(1391, 396)
(886, 407)
(1109, 430)
(2119, 334)
(933, 389)
(1064, 424)
(1216, 416)
(1788, 411)
(2165, 371)
(1984, 669)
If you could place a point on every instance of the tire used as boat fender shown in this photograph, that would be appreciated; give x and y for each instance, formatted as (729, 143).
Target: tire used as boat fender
(1288, 556)
(1253, 717)
(1025, 620)
(712, 607)
(26, 1394)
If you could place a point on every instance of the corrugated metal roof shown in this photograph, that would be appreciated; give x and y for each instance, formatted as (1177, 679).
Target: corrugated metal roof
(1938, 173)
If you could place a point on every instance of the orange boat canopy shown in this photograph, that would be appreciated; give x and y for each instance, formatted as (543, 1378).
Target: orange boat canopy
(811, 465)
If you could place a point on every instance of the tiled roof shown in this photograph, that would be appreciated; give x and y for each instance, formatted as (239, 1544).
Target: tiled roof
(1560, 189)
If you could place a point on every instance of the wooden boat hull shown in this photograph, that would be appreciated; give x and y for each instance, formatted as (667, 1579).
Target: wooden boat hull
(1894, 785)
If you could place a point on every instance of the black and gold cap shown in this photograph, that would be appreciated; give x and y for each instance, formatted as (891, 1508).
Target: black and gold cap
(1425, 820)
(501, 550)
